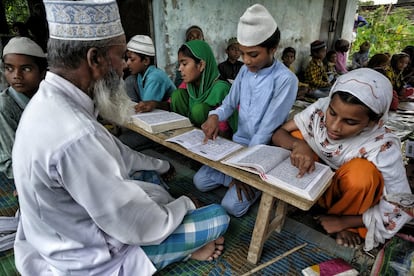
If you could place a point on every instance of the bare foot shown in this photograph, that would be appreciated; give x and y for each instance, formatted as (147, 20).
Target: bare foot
(348, 239)
(210, 251)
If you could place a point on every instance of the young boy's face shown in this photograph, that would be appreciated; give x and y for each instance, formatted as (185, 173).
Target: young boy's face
(288, 58)
(344, 120)
(319, 54)
(135, 63)
(233, 51)
(22, 73)
(402, 63)
(257, 57)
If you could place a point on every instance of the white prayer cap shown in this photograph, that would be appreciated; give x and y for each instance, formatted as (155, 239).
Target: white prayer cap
(255, 26)
(141, 44)
(83, 20)
(23, 46)
(369, 86)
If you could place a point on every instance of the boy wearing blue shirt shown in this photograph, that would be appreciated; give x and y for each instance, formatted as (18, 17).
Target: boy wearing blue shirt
(263, 92)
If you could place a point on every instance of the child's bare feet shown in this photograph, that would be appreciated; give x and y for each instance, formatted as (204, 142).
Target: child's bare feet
(210, 251)
(348, 239)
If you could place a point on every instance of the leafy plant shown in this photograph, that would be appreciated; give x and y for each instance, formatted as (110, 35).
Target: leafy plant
(387, 32)
(16, 11)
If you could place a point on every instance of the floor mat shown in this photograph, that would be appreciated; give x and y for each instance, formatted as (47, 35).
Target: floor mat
(237, 240)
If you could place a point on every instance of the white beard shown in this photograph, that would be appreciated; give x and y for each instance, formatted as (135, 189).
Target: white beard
(111, 99)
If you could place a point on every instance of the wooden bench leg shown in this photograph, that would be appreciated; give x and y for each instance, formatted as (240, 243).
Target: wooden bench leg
(260, 228)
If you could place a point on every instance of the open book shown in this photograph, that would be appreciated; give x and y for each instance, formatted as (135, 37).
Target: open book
(214, 149)
(274, 166)
(158, 121)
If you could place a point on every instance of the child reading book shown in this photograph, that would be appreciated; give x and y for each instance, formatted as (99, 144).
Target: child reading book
(346, 131)
(263, 93)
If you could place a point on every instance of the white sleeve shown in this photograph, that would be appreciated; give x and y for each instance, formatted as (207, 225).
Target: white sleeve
(94, 171)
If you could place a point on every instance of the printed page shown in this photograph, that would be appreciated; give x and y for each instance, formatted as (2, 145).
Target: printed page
(213, 149)
(307, 185)
(261, 157)
(157, 117)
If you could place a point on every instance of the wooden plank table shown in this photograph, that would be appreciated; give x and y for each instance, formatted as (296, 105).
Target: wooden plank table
(273, 198)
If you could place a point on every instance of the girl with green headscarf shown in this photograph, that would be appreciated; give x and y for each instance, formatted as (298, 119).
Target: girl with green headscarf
(204, 90)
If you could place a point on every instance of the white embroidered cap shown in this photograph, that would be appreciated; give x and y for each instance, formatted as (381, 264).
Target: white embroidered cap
(141, 44)
(369, 86)
(23, 46)
(255, 26)
(83, 20)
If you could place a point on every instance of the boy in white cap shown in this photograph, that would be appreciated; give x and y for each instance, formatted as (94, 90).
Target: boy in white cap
(231, 66)
(263, 92)
(148, 86)
(81, 213)
(154, 84)
(24, 67)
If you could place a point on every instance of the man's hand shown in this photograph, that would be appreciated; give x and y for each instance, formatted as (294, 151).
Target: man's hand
(243, 187)
(302, 158)
(169, 175)
(210, 128)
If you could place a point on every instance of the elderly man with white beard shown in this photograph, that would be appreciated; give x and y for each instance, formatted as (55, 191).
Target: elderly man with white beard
(81, 213)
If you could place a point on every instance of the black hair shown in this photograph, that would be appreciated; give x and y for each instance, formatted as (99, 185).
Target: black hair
(351, 99)
(396, 57)
(187, 52)
(272, 41)
(289, 50)
(329, 54)
(142, 56)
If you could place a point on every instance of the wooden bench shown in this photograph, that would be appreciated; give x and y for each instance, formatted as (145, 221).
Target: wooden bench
(273, 204)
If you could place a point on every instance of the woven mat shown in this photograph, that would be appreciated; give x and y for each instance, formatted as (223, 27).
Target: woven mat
(237, 240)
(8, 207)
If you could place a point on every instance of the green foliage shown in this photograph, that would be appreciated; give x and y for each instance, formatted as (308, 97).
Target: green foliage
(386, 32)
(16, 11)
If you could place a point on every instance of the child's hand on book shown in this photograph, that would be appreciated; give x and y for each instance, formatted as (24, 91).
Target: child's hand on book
(242, 188)
(145, 106)
(302, 157)
(210, 128)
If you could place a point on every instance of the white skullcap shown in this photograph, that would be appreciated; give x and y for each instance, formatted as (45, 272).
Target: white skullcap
(83, 20)
(141, 44)
(255, 26)
(369, 86)
(23, 46)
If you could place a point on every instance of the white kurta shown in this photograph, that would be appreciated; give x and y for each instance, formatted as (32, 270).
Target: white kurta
(80, 212)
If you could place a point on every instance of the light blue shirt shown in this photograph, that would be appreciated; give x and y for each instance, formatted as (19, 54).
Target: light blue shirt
(155, 85)
(264, 99)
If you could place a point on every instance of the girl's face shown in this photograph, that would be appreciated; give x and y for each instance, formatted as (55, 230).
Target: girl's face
(22, 73)
(189, 69)
(256, 57)
(402, 63)
(344, 120)
(288, 58)
(135, 63)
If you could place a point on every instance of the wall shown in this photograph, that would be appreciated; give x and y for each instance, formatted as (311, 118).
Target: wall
(300, 22)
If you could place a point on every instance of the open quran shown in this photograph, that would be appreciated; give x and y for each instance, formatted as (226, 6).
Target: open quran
(273, 165)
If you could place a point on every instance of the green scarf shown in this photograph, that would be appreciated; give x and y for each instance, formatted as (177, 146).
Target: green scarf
(209, 76)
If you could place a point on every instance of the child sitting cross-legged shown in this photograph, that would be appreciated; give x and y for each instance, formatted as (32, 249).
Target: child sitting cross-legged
(346, 131)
